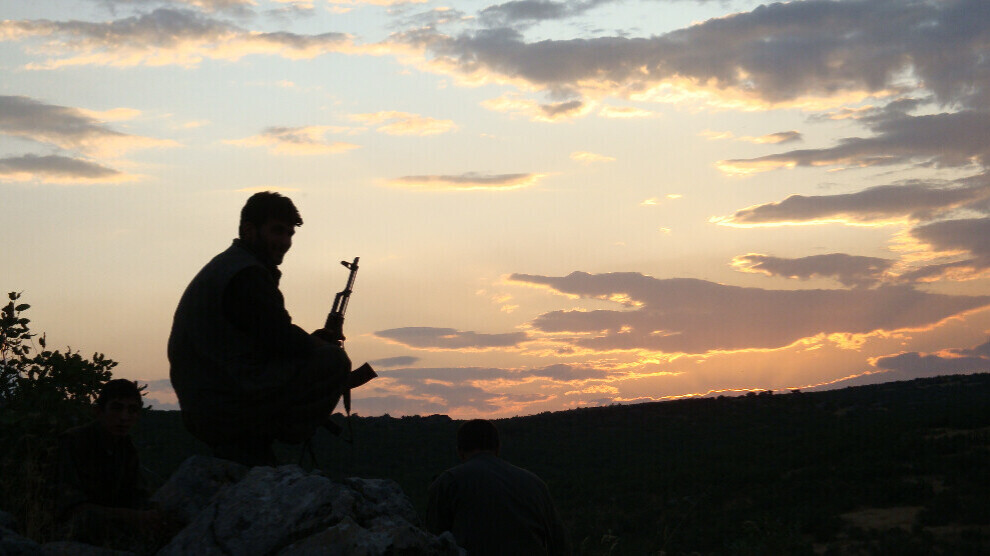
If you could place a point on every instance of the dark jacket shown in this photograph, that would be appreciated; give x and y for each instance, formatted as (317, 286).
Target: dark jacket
(97, 468)
(493, 507)
(233, 346)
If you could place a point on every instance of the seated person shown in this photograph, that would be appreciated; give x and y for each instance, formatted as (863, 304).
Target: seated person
(490, 505)
(100, 495)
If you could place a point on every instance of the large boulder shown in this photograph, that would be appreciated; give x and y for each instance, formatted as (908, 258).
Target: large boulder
(12, 543)
(288, 511)
(195, 484)
(69, 548)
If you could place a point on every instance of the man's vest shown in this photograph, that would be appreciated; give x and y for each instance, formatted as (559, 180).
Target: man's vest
(215, 369)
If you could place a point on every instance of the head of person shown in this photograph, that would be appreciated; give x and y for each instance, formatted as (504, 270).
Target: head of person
(118, 406)
(268, 221)
(476, 436)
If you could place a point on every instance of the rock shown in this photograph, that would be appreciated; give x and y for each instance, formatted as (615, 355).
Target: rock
(12, 544)
(381, 497)
(397, 538)
(8, 521)
(346, 538)
(194, 485)
(67, 548)
(289, 511)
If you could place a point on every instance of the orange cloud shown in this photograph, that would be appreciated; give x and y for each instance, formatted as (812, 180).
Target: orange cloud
(698, 317)
(552, 112)
(306, 140)
(589, 157)
(404, 123)
(470, 181)
(624, 112)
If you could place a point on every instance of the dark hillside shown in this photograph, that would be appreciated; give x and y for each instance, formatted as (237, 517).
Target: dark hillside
(897, 468)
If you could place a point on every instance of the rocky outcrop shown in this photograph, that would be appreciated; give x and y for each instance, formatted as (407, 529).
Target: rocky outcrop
(287, 511)
(230, 509)
(13, 544)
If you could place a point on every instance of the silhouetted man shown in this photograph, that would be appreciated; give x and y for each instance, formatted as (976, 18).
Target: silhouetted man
(491, 506)
(100, 495)
(245, 375)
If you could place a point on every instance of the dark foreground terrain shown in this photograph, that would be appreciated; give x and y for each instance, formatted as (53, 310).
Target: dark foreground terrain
(898, 468)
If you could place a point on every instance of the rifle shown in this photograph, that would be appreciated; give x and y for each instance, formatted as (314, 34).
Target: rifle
(340, 300)
(335, 318)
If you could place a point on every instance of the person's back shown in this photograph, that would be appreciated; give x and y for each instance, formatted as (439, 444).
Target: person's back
(492, 506)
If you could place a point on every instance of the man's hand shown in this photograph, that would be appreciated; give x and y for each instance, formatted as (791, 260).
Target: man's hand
(333, 331)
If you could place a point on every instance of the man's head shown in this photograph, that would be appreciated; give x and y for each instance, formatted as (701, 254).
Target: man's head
(118, 406)
(477, 435)
(268, 221)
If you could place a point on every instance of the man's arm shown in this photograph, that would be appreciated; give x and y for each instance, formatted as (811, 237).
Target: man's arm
(254, 305)
(69, 491)
(439, 513)
(557, 543)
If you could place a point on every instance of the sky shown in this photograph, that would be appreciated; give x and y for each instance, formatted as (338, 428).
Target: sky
(556, 204)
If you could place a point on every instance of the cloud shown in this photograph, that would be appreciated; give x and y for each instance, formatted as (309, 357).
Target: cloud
(561, 372)
(772, 138)
(552, 112)
(850, 270)
(240, 7)
(568, 373)
(779, 137)
(946, 139)
(696, 316)
(306, 140)
(468, 182)
(399, 361)
(969, 237)
(465, 388)
(914, 200)
(70, 128)
(589, 157)
(521, 12)
(776, 54)
(429, 338)
(397, 405)
(374, 2)
(625, 112)
(404, 123)
(947, 361)
(57, 169)
(165, 36)
(158, 384)
(475, 390)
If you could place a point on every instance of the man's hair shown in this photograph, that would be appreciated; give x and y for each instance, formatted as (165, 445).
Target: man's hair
(477, 434)
(117, 389)
(267, 205)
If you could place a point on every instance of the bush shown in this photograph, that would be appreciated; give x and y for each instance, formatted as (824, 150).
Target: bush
(41, 395)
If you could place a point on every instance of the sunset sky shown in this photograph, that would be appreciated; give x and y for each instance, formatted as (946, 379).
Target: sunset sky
(557, 204)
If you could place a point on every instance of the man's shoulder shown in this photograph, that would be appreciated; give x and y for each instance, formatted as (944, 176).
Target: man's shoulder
(490, 464)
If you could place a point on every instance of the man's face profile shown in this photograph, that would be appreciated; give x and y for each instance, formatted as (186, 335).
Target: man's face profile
(272, 240)
(119, 415)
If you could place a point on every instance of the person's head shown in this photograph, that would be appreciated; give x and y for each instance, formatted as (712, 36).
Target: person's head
(477, 435)
(268, 221)
(118, 405)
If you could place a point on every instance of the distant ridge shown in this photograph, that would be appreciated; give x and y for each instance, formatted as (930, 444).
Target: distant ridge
(897, 467)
